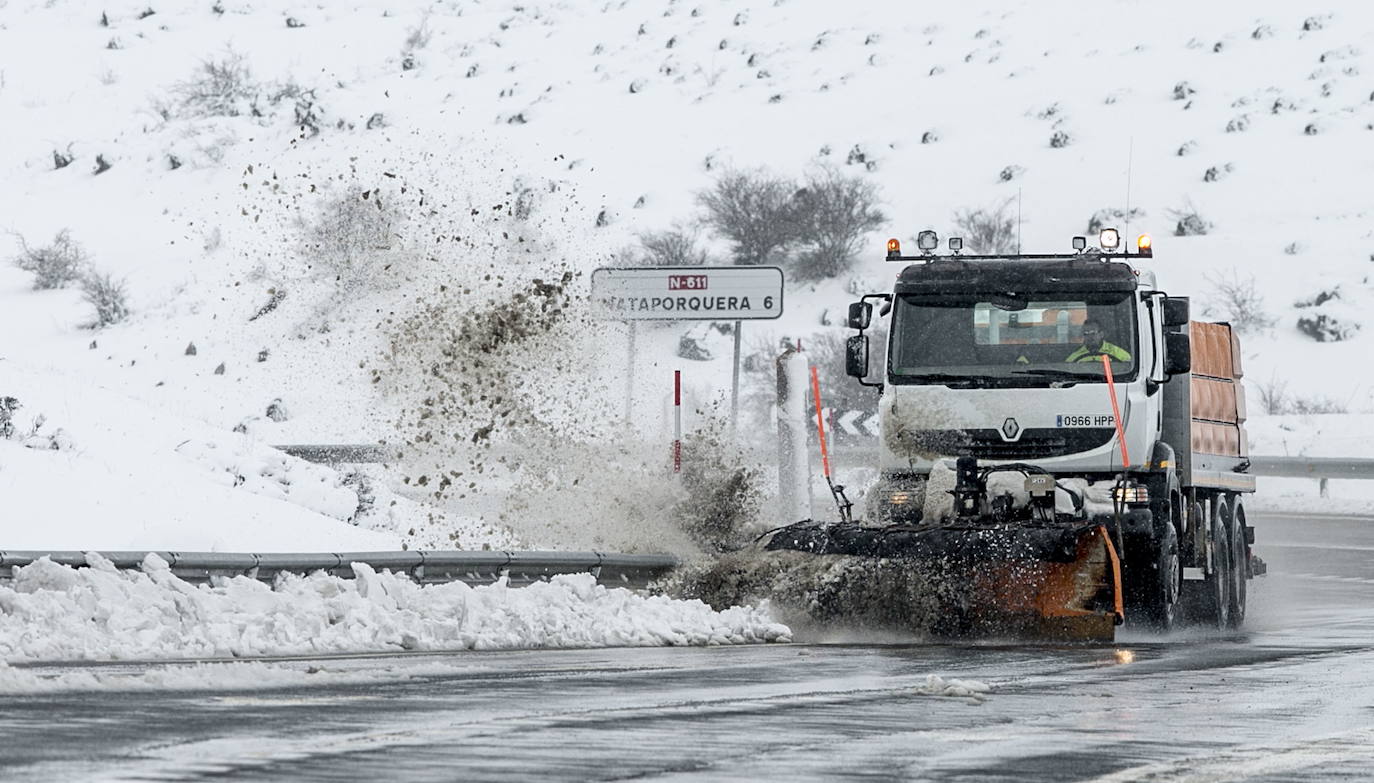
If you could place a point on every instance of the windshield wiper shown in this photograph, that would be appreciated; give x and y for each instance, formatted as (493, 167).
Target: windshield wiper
(1059, 374)
(937, 377)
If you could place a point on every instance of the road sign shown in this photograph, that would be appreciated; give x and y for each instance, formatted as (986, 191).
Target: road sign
(857, 423)
(687, 293)
(851, 426)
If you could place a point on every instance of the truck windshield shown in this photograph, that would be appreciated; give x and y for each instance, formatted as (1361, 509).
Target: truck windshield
(1012, 339)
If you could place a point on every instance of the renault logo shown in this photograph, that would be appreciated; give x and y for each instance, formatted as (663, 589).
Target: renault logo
(1010, 429)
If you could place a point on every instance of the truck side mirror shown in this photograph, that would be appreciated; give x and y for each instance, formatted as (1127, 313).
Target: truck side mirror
(1175, 311)
(860, 313)
(1178, 353)
(856, 351)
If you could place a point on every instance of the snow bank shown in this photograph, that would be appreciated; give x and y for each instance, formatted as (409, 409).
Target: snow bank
(51, 612)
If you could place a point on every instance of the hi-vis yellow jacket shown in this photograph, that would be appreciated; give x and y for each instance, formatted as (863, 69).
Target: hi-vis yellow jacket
(1116, 352)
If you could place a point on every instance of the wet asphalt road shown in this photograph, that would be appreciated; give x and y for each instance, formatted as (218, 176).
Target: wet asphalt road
(1289, 698)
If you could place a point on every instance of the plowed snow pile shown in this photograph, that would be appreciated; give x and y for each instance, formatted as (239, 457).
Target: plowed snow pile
(53, 612)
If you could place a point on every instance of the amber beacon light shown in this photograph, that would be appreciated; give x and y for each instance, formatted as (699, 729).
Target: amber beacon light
(894, 248)
(1143, 245)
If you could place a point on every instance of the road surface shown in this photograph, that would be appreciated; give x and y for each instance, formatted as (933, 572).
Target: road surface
(1289, 698)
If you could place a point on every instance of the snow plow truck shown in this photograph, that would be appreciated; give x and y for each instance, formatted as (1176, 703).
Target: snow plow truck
(1058, 440)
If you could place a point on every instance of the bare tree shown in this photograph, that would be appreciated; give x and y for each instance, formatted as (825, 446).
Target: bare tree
(753, 210)
(218, 88)
(674, 247)
(1238, 301)
(832, 213)
(55, 265)
(988, 230)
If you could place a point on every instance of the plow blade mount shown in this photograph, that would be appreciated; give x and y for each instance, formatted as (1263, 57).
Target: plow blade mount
(991, 582)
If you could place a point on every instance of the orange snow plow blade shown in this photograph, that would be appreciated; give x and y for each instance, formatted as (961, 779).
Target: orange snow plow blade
(978, 579)
(1080, 599)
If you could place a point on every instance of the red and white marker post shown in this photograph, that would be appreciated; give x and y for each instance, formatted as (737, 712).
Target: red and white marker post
(677, 422)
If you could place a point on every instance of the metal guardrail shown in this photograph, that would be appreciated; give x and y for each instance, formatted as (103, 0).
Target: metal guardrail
(1313, 467)
(425, 567)
(337, 453)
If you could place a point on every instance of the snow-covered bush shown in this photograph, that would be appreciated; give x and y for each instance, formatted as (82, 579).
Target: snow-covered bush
(62, 262)
(218, 88)
(1112, 217)
(753, 211)
(674, 247)
(1188, 222)
(1327, 317)
(989, 229)
(1238, 301)
(8, 405)
(832, 213)
(109, 297)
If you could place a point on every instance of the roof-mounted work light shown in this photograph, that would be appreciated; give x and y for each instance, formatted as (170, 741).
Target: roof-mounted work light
(1080, 243)
(1143, 245)
(927, 241)
(956, 244)
(1109, 239)
(894, 248)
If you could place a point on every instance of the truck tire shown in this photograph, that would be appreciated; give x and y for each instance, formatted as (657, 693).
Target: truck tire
(1217, 593)
(1240, 570)
(1163, 591)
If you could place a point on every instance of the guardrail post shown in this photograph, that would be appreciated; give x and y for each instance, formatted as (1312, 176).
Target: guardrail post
(1321, 483)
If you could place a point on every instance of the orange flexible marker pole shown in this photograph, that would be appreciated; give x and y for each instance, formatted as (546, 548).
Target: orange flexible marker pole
(820, 421)
(1116, 412)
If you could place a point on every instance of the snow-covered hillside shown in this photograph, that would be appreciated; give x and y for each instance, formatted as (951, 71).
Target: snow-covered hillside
(345, 208)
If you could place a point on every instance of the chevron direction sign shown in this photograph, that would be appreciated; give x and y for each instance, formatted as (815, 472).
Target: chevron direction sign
(850, 424)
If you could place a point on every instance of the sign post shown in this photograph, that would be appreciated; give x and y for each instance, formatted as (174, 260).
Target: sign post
(687, 293)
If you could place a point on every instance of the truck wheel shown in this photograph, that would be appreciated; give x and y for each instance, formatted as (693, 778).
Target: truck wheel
(1164, 591)
(1240, 570)
(1217, 609)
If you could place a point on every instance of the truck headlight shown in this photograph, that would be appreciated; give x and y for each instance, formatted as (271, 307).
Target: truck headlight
(1132, 495)
(902, 498)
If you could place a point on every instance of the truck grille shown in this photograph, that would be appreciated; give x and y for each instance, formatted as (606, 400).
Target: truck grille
(988, 444)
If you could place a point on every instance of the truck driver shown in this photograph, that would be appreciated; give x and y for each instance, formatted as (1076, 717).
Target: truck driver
(1094, 346)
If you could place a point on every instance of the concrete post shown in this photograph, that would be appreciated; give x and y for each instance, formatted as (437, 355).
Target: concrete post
(794, 458)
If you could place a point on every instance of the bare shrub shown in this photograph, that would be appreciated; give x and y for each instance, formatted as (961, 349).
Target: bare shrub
(753, 210)
(354, 236)
(1276, 400)
(219, 88)
(832, 213)
(8, 405)
(674, 247)
(1111, 217)
(109, 297)
(418, 36)
(1235, 299)
(304, 105)
(1188, 221)
(988, 230)
(54, 266)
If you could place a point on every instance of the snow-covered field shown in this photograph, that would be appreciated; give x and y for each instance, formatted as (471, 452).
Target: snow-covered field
(343, 210)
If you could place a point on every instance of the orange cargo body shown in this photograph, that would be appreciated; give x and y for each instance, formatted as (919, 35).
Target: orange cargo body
(1218, 398)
